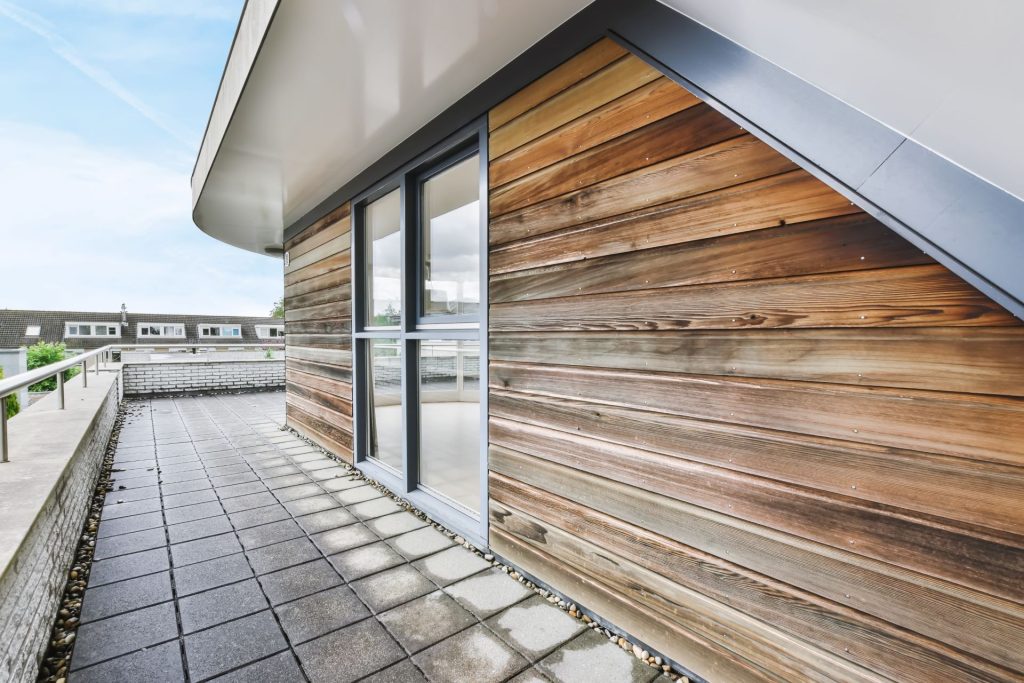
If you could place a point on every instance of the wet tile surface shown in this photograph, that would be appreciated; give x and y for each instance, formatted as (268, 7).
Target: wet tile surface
(239, 553)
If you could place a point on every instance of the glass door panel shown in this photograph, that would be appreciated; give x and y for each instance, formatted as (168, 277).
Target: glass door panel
(449, 392)
(384, 372)
(450, 264)
(383, 276)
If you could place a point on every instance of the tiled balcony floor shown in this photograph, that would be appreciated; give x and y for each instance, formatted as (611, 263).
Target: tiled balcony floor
(235, 551)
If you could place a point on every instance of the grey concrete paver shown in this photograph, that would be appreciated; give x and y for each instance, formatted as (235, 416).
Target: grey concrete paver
(286, 566)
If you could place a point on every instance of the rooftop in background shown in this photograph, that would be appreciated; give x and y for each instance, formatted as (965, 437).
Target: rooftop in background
(15, 326)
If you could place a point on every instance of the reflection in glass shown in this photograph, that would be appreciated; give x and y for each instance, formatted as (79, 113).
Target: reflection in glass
(384, 375)
(451, 240)
(450, 420)
(383, 261)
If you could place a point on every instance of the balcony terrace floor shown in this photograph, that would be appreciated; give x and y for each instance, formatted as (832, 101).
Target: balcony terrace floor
(229, 549)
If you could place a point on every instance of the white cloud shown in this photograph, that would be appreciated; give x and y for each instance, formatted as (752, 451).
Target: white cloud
(44, 29)
(86, 228)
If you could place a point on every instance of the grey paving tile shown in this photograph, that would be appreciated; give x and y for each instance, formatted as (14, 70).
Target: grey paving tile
(140, 493)
(593, 657)
(393, 525)
(211, 445)
(270, 558)
(191, 513)
(358, 494)
(123, 483)
(392, 587)
(177, 477)
(420, 543)
(128, 566)
(295, 492)
(338, 482)
(325, 520)
(160, 664)
(535, 627)
(113, 546)
(402, 672)
(191, 498)
(234, 490)
(202, 576)
(252, 500)
(299, 581)
(377, 507)
(349, 654)
(184, 466)
(316, 614)
(313, 465)
(135, 507)
(272, 462)
(369, 559)
(183, 448)
(125, 525)
(278, 471)
(109, 638)
(229, 479)
(488, 593)
(258, 516)
(448, 566)
(343, 538)
(328, 473)
(233, 644)
(531, 675)
(218, 605)
(307, 506)
(266, 534)
(204, 549)
(281, 668)
(232, 468)
(185, 486)
(425, 621)
(131, 594)
(287, 481)
(475, 655)
(200, 528)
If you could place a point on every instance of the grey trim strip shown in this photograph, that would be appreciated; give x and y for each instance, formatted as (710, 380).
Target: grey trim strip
(967, 224)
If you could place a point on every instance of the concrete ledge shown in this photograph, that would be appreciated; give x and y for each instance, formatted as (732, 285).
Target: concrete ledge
(190, 377)
(55, 458)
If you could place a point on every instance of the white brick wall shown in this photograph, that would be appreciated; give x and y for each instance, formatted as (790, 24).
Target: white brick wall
(31, 588)
(193, 377)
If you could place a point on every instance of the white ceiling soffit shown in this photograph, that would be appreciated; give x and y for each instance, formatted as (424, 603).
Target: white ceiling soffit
(944, 73)
(335, 85)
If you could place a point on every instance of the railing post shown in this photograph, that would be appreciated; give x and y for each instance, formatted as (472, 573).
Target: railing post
(97, 359)
(3, 429)
(60, 390)
(85, 373)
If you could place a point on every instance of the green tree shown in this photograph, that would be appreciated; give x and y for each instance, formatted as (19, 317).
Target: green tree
(12, 401)
(278, 310)
(41, 354)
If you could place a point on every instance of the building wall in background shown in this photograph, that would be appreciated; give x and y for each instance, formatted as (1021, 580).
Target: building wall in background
(732, 413)
(318, 327)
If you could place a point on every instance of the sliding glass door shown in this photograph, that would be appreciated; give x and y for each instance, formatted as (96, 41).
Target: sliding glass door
(420, 267)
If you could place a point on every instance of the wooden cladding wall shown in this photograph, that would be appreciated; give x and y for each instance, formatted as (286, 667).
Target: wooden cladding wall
(318, 333)
(730, 411)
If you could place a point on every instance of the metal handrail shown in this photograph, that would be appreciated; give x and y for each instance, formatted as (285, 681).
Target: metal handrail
(24, 379)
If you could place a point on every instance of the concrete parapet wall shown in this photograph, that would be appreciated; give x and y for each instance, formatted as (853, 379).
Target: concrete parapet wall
(174, 377)
(45, 489)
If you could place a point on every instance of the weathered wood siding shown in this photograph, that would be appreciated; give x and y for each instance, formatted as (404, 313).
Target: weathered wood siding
(318, 333)
(734, 414)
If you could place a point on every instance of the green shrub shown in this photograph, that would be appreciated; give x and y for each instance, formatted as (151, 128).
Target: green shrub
(12, 401)
(42, 354)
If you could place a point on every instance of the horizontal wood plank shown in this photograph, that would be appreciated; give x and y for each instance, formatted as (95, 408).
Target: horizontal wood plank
(333, 279)
(611, 82)
(643, 106)
(844, 243)
(336, 261)
(333, 326)
(322, 296)
(338, 404)
(320, 383)
(678, 134)
(337, 372)
(592, 59)
(916, 296)
(329, 311)
(320, 225)
(327, 435)
(787, 198)
(341, 357)
(338, 234)
(726, 164)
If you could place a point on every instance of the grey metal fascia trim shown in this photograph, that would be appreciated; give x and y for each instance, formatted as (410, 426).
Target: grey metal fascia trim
(970, 226)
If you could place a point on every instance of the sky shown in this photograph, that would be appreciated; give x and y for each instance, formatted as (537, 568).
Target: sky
(103, 104)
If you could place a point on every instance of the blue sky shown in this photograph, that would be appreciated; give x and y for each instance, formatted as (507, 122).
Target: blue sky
(103, 104)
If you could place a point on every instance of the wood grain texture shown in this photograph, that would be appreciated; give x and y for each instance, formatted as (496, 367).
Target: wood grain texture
(318, 307)
(735, 414)
(572, 71)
